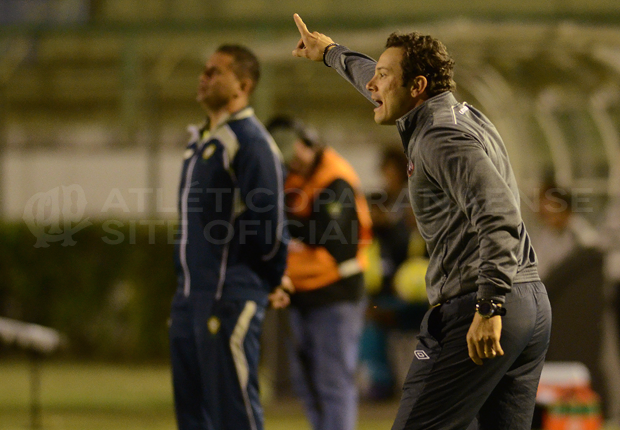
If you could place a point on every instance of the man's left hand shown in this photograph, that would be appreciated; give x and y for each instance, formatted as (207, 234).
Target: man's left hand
(279, 299)
(483, 338)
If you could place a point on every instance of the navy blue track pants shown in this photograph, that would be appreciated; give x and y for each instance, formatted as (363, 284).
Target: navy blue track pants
(215, 351)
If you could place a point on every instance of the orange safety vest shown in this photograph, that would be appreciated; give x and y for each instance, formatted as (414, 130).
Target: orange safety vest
(311, 267)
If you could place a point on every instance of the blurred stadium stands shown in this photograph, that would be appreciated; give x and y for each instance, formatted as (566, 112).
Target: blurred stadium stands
(99, 93)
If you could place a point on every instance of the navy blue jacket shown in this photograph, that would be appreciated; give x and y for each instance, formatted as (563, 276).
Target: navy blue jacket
(231, 235)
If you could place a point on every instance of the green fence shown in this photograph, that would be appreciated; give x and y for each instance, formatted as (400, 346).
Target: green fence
(109, 293)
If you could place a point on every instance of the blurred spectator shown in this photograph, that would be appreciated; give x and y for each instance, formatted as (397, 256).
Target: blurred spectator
(395, 309)
(330, 226)
(563, 231)
(611, 315)
(571, 266)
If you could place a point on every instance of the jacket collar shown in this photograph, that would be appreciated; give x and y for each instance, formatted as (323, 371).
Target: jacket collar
(408, 123)
(244, 113)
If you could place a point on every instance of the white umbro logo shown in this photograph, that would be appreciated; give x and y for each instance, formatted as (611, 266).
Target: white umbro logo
(421, 355)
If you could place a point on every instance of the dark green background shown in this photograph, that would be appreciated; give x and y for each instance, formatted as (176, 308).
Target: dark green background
(111, 301)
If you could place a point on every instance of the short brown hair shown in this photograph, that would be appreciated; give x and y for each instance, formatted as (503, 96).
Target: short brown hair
(245, 65)
(424, 56)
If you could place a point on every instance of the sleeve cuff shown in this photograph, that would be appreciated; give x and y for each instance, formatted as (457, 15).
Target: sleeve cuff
(491, 292)
(333, 55)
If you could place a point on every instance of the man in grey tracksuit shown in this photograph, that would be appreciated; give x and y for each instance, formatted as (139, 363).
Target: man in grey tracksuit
(482, 279)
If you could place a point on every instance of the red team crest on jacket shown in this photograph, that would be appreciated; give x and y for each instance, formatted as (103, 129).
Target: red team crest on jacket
(410, 168)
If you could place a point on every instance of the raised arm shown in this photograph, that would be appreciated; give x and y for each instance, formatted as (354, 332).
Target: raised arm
(356, 68)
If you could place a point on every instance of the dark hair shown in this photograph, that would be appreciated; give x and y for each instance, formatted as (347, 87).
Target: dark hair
(245, 65)
(394, 155)
(306, 134)
(424, 56)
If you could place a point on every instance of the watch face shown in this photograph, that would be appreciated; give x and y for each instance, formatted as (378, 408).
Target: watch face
(484, 308)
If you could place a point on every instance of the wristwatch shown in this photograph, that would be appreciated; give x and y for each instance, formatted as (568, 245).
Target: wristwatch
(489, 308)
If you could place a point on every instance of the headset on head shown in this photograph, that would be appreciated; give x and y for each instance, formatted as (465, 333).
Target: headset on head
(306, 134)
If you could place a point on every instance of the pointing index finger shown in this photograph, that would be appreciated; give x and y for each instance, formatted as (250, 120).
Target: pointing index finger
(301, 26)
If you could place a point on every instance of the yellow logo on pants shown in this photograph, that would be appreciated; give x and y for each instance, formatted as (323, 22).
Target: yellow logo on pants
(214, 324)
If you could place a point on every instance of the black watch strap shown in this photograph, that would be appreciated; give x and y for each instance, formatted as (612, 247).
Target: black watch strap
(489, 308)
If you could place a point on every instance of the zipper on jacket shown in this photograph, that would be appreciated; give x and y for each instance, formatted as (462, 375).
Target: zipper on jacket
(184, 225)
(224, 262)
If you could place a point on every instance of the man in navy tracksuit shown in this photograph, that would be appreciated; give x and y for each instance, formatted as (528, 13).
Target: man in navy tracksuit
(230, 254)
(482, 345)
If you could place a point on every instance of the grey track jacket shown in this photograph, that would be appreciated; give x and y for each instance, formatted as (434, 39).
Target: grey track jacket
(463, 193)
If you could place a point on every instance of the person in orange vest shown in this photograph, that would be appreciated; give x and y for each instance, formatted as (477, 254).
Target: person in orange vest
(329, 223)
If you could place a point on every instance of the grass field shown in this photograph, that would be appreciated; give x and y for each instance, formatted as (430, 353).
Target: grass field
(116, 397)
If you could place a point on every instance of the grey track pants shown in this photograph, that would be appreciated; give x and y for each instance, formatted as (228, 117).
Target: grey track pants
(445, 390)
